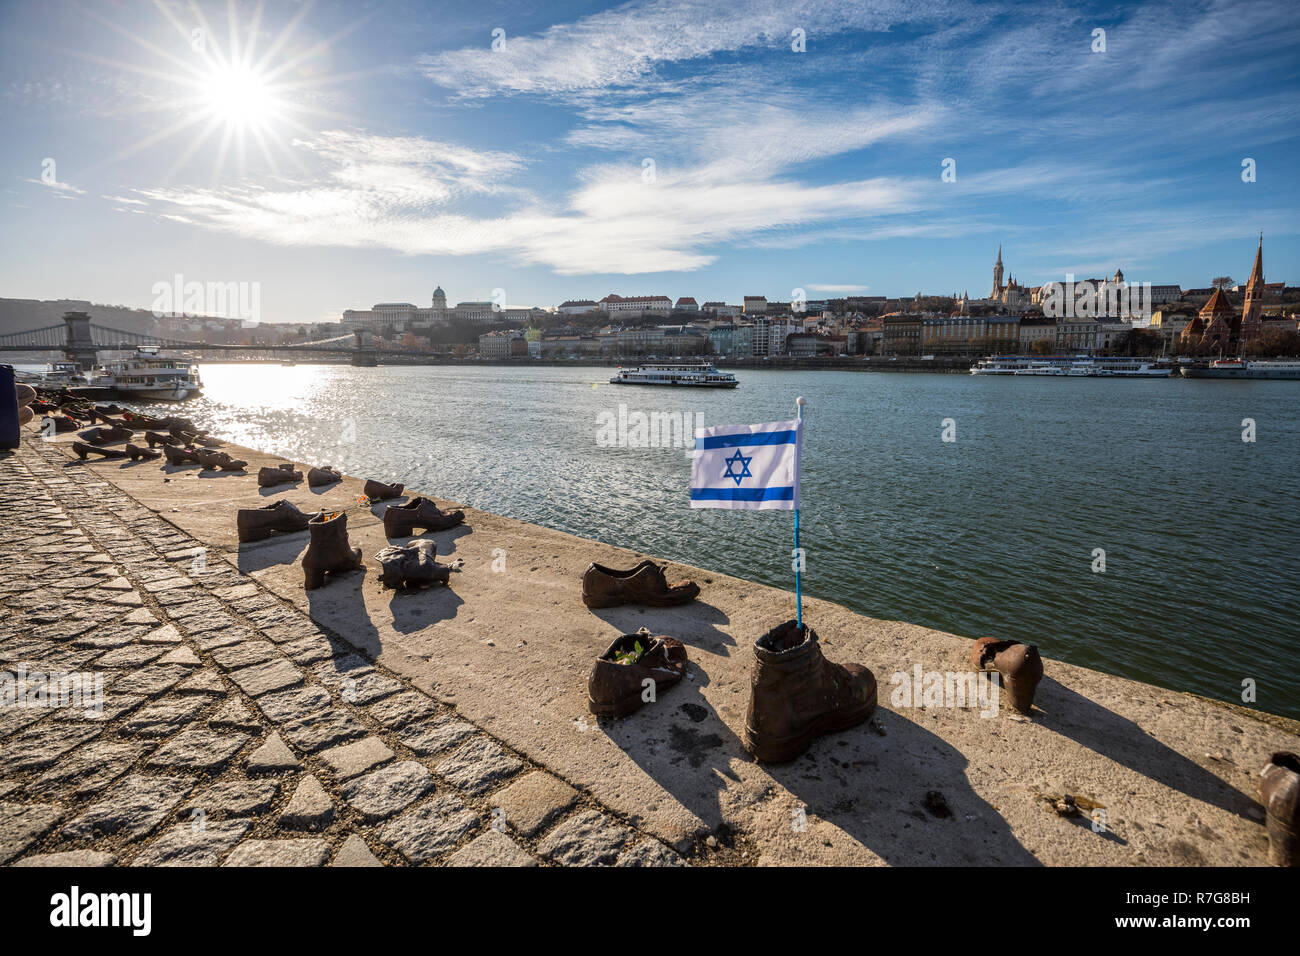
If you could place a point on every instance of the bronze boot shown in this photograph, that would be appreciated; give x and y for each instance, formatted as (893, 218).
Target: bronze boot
(402, 520)
(280, 474)
(378, 491)
(1019, 665)
(616, 686)
(329, 550)
(643, 584)
(796, 695)
(1279, 791)
(255, 524)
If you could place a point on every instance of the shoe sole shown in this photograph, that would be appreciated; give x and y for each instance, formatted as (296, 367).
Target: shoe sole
(787, 749)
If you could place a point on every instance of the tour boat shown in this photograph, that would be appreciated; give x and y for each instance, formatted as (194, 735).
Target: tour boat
(697, 376)
(1242, 368)
(56, 373)
(149, 377)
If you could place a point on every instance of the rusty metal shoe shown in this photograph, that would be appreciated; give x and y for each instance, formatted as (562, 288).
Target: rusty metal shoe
(1019, 664)
(82, 450)
(411, 564)
(1279, 791)
(796, 695)
(378, 491)
(279, 517)
(157, 438)
(214, 460)
(140, 453)
(402, 520)
(643, 584)
(178, 455)
(617, 684)
(270, 476)
(324, 475)
(329, 551)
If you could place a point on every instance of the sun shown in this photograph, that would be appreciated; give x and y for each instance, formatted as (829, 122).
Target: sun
(240, 97)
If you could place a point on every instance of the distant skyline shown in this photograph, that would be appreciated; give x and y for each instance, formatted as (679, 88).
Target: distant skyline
(341, 154)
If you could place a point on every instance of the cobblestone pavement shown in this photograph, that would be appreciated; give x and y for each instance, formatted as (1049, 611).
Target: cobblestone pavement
(234, 731)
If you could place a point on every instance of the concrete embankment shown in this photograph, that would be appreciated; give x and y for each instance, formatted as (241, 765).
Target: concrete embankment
(510, 644)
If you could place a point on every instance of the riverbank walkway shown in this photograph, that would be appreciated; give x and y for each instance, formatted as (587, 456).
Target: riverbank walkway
(246, 721)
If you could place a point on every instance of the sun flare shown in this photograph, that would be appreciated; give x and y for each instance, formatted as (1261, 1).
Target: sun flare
(239, 97)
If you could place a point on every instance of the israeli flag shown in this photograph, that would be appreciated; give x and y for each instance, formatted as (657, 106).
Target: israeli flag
(747, 467)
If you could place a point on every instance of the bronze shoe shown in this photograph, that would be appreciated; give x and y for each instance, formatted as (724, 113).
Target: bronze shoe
(1279, 791)
(403, 520)
(82, 450)
(269, 477)
(213, 460)
(324, 475)
(616, 686)
(177, 455)
(378, 491)
(257, 524)
(643, 584)
(797, 695)
(1019, 664)
(140, 453)
(329, 550)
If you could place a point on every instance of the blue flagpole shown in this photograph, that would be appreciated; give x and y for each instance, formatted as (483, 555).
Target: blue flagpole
(798, 580)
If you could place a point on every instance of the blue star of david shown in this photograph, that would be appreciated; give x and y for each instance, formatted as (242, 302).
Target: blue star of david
(738, 459)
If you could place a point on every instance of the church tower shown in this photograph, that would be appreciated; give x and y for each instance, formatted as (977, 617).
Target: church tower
(997, 276)
(1252, 322)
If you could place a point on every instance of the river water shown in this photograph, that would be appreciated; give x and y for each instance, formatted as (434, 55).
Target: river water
(994, 533)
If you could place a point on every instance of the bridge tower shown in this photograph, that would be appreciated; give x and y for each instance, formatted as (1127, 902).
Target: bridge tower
(80, 345)
(363, 357)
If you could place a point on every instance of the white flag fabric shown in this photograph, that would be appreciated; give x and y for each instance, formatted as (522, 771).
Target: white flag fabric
(747, 467)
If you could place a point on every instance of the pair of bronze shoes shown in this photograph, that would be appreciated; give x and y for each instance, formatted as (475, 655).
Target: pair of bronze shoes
(218, 460)
(796, 695)
(411, 565)
(1018, 664)
(107, 435)
(644, 584)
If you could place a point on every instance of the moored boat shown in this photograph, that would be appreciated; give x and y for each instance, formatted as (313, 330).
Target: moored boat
(1245, 369)
(148, 376)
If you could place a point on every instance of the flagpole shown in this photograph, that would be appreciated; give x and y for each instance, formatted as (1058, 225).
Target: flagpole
(798, 581)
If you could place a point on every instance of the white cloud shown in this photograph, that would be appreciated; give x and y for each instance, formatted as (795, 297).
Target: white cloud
(63, 190)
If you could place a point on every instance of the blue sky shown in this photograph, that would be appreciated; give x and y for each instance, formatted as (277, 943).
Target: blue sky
(342, 154)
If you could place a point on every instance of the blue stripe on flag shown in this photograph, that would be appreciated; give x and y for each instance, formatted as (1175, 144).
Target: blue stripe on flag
(742, 494)
(744, 441)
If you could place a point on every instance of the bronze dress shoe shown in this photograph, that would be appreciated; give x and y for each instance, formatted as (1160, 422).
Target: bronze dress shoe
(213, 460)
(616, 686)
(82, 450)
(797, 695)
(1279, 791)
(402, 520)
(177, 455)
(269, 477)
(324, 475)
(256, 524)
(643, 584)
(1018, 663)
(140, 453)
(378, 491)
